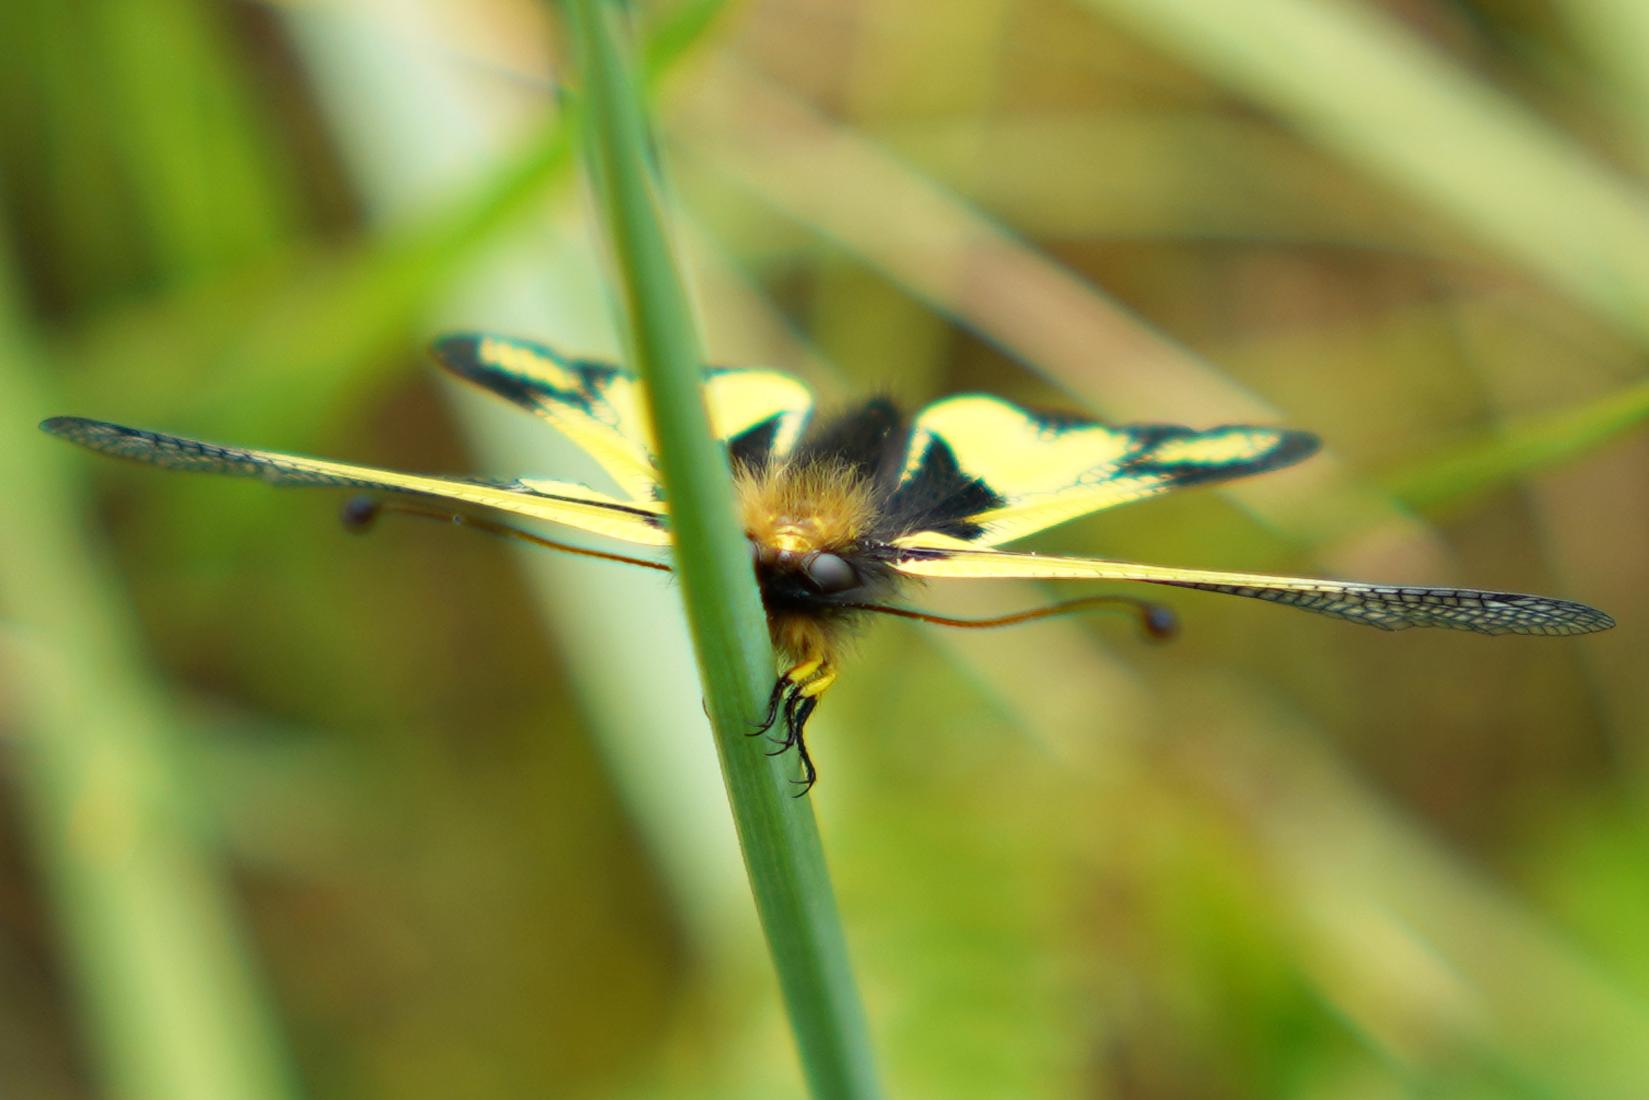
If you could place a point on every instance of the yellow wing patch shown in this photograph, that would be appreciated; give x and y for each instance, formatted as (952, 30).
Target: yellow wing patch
(742, 399)
(1389, 607)
(600, 406)
(557, 502)
(1046, 470)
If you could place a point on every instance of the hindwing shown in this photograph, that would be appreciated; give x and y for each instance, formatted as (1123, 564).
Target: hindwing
(1038, 470)
(1386, 606)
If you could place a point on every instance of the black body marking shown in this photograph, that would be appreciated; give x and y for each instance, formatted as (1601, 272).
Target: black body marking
(789, 591)
(870, 440)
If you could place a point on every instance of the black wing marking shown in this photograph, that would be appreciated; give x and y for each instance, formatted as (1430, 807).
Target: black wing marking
(1043, 470)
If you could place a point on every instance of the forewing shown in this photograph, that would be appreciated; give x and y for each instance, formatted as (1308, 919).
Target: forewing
(600, 407)
(1044, 470)
(758, 413)
(557, 502)
(596, 405)
(1389, 607)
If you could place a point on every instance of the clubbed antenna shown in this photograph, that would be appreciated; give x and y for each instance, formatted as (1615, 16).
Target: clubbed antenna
(1156, 621)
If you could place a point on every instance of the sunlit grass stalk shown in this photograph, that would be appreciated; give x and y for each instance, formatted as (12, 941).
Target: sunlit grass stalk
(777, 833)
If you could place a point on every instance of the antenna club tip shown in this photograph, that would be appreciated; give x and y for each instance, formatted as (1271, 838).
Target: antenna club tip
(1160, 623)
(358, 513)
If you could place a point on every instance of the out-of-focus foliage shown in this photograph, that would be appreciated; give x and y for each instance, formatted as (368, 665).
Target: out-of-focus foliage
(460, 801)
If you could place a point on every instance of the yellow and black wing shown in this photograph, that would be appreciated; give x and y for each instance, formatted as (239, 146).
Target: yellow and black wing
(1038, 470)
(1387, 606)
(599, 406)
(577, 506)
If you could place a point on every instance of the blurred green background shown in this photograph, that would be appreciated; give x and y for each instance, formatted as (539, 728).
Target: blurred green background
(293, 813)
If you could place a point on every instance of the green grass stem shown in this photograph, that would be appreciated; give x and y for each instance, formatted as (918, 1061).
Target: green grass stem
(1519, 449)
(170, 999)
(777, 832)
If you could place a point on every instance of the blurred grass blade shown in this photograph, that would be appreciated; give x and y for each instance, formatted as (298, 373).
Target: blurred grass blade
(324, 320)
(169, 995)
(1517, 451)
(318, 321)
(1358, 84)
(1612, 34)
(675, 34)
(191, 136)
(164, 150)
(776, 832)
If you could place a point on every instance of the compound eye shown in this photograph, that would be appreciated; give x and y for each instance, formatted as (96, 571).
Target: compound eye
(830, 573)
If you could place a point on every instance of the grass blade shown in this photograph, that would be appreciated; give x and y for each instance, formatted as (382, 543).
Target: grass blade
(1358, 84)
(169, 996)
(1460, 474)
(777, 833)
